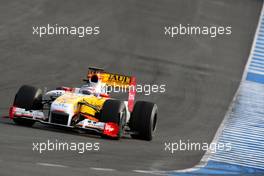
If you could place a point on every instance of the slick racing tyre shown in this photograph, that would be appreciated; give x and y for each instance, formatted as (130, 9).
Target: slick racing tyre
(143, 120)
(114, 111)
(29, 98)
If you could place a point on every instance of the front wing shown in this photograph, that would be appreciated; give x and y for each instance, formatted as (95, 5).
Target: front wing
(108, 128)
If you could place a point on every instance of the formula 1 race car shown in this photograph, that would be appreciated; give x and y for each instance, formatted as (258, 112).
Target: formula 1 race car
(88, 107)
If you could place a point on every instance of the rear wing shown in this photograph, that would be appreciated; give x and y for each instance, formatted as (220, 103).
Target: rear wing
(116, 80)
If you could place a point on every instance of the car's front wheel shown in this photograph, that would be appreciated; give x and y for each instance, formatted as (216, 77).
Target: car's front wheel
(29, 98)
(113, 113)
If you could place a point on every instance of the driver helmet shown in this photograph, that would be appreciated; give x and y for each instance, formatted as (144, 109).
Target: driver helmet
(94, 86)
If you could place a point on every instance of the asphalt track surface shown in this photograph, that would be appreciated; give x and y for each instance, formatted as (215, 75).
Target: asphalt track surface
(201, 74)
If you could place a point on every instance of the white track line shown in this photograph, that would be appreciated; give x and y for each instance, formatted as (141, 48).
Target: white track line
(152, 172)
(102, 169)
(51, 165)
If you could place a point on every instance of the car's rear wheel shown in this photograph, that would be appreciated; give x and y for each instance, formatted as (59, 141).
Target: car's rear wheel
(114, 111)
(29, 98)
(143, 120)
